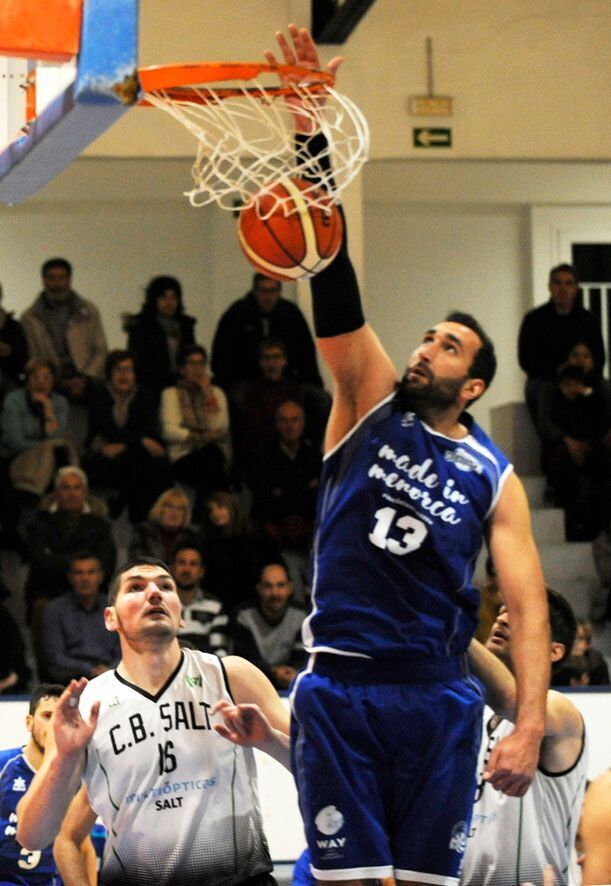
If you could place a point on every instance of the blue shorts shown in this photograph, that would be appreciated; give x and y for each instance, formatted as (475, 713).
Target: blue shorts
(385, 772)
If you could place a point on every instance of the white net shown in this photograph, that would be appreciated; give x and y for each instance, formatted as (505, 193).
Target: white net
(246, 142)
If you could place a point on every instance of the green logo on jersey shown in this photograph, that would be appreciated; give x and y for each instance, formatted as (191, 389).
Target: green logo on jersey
(194, 681)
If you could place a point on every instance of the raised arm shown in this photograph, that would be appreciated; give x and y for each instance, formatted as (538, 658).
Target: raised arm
(362, 370)
(41, 811)
(514, 760)
(258, 718)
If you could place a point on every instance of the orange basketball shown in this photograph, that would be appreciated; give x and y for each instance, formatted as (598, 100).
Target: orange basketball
(295, 241)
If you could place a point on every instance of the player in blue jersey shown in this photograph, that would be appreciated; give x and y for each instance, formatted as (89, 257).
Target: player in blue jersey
(17, 769)
(386, 720)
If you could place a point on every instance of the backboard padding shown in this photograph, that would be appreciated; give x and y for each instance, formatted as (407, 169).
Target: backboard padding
(106, 61)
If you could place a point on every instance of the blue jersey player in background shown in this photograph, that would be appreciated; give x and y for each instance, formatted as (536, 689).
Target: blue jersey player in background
(17, 768)
(385, 719)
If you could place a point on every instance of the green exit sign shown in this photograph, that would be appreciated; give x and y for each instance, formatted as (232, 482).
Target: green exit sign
(432, 137)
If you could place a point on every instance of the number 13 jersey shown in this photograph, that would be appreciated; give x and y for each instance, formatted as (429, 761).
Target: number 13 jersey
(401, 516)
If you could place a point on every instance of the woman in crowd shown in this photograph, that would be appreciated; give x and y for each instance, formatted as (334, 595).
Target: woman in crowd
(125, 452)
(234, 550)
(159, 333)
(195, 425)
(168, 524)
(34, 423)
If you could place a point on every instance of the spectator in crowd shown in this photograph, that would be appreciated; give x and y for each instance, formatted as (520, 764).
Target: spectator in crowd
(549, 332)
(167, 526)
(255, 402)
(585, 656)
(13, 351)
(14, 671)
(159, 333)
(54, 536)
(284, 482)
(205, 622)
(65, 329)
(600, 606)
(268, 632)
(576, 452)
(195, 425)
(34, 422)
(596, 831)
(260, 314)
(74, 637)
(125, 449)
(233, 550)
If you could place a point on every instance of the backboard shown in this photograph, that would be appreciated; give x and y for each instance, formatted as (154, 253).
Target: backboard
(67, 72)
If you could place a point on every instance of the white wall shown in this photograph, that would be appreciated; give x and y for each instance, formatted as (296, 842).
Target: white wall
(425, 237)
(529, 78)
(423, 261)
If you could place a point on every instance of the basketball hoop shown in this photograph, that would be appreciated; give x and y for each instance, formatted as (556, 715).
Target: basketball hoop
(245, 130)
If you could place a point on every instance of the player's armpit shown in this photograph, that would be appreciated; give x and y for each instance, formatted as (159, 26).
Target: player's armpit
(249, 686)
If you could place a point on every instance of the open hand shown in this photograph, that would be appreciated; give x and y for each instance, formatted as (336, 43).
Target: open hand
(72, 733)
(301, 51)
(244, 724)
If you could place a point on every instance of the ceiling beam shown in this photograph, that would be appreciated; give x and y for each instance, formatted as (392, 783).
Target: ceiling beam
(333, 22)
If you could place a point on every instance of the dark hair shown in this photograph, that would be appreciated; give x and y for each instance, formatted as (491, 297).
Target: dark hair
(273, 561)
(563, 624)
(186, 352)
(114, 358)
(570, 371)
(115, 582)
(44, 690)
(258, 276)
(83, 555)
(186, 545)
(36, 363)
(266, 344)
(56, 263)
(156, 287)
(483, 364)
(566, 269)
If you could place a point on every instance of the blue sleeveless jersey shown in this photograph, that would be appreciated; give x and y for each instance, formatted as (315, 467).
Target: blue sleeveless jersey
(401, 517)
(18, 865)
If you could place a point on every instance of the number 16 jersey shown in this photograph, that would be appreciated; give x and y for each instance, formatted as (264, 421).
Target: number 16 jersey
(401, 517)
(179, 802)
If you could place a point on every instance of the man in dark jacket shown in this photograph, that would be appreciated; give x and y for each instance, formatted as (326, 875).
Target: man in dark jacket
(549, 332)
(54, 536)
(262, 313)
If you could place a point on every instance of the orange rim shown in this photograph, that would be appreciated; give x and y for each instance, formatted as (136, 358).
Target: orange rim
(180, 82)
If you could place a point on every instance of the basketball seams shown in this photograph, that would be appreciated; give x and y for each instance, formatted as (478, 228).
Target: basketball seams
(294, 245)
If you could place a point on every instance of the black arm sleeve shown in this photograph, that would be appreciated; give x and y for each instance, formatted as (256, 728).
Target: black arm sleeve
(336, 300)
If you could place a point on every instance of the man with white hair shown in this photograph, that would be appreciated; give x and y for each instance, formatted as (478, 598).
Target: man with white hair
(55, 535)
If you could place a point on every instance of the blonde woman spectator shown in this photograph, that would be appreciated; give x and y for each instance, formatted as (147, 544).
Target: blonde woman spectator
(168, 524)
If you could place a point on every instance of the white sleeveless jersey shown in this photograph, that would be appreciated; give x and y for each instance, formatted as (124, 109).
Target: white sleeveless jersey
(179, 802)
(513, 838)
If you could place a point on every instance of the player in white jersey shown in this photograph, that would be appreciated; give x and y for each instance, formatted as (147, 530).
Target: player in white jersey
(178, 800)
(512, 839)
